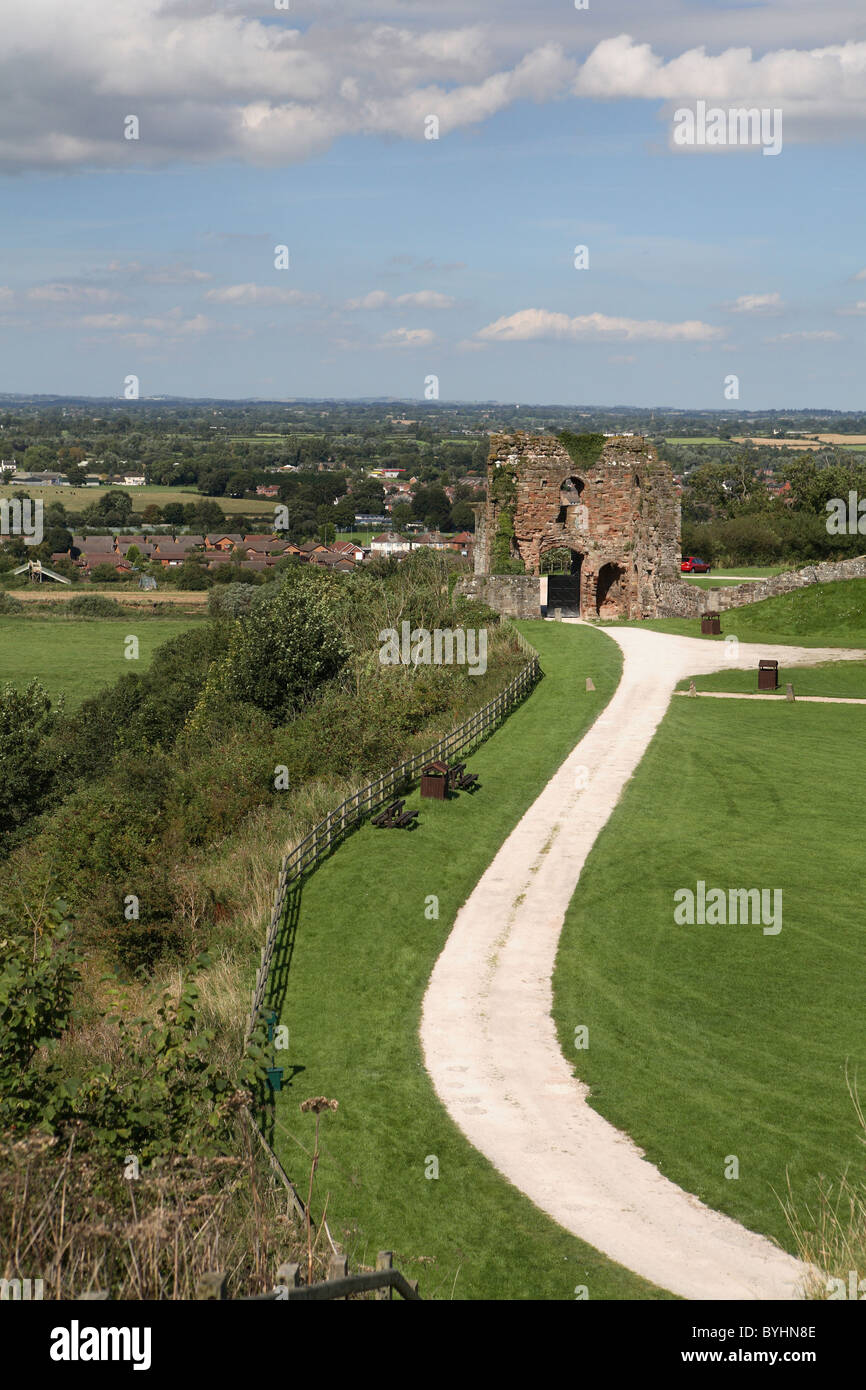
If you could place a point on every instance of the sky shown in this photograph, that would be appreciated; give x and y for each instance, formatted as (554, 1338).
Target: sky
(155, 157)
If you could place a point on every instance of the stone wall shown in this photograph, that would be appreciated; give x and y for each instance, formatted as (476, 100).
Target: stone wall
(682, 600)
(512, 595)
(618, 515)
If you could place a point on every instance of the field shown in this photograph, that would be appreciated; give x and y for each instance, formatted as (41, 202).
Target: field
(146, 600)
(75, 657)
(75, 499)
(352, 1002)
(713, 1041)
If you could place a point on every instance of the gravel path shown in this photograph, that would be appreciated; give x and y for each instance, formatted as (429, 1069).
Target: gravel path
(488, 1037)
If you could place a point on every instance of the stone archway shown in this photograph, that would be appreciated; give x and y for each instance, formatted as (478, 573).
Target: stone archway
(610, 592)
(564, 586)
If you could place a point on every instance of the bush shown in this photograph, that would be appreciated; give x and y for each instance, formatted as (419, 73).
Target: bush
(9, 604)
(104, 574)
(289, 644)
(231, 600)
(190, 575)
(26, 719)
(94, 606)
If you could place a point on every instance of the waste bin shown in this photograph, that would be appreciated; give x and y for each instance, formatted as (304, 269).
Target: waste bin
(434, 781)
(712, 624)
(768, 675)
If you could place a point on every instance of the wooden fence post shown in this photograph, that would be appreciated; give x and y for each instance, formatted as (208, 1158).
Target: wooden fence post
(211, 1286)
(385, 1260)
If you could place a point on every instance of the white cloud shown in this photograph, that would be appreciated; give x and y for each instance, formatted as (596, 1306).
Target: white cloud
(159, 274)
(70, 294)
(172, 324)
(419, 299)
(408, 337)
(258, 294)
(756, 304)
(110, 321)
(858, 308)
(806, 335)
(534, 325)
(810, 85)
(861, 275)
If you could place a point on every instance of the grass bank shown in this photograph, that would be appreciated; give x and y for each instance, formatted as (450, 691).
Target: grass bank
(823, 615)
(365, 946)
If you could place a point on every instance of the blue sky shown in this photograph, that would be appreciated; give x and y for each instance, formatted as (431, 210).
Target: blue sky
(411, 257)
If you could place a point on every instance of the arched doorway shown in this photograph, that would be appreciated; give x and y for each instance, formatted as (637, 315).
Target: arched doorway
(610, 592)
(569, 499)
(562, 567)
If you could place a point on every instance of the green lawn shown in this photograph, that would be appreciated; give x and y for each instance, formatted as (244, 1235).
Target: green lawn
(363, 954)
(842, 678)
(710, 1041)
(710, 581)
(822, 615)
(75, 657)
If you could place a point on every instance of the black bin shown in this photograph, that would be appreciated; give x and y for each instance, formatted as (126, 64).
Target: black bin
(768, 675)
(434, 781)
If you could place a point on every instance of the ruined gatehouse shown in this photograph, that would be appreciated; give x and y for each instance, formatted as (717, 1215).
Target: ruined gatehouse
(586, 524)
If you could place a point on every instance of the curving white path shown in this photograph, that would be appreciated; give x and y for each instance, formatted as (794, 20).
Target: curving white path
(488, 1037)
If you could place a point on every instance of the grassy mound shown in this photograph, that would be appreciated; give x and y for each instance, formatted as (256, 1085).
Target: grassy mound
(364, 950)
(711, 1041)
(824, 615)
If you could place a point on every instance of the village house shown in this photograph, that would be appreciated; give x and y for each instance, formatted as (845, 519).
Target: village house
(225, 542)
(390, 543)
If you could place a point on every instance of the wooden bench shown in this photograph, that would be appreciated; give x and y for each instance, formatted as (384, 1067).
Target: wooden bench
(455, 773)
(406, 821)
(468, 782)
(387, 817)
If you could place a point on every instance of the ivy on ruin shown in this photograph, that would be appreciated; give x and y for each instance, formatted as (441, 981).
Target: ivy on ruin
(583, 449)
(503, 491)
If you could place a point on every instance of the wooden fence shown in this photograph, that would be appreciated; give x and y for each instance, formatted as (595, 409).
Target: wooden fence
(302, 859)
(368, 799)
(384, 1282)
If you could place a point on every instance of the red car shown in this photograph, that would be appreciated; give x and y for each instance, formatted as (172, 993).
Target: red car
(692, 565)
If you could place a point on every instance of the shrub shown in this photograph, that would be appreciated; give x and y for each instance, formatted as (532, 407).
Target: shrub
(94, 606)
(287, 646)
(26, 719)
(104, 574)
(190, 575)
(232, 600)
(10, 604)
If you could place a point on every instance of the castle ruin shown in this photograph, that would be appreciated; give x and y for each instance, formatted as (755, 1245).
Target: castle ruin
(586, 524)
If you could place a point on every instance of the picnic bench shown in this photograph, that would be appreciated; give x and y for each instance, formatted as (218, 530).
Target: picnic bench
(460, 779)
(394, 817)
(468, 782)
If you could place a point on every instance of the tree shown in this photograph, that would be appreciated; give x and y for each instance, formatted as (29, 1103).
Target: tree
(401, 514)
(462, 517)
(26, 720)
(190, 575)
(172, 514)
(290, 643)
(104, 574)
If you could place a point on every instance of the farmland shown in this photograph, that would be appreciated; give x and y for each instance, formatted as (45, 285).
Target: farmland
(75, 657)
